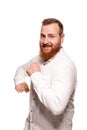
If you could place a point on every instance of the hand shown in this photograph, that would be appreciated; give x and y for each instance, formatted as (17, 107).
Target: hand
(23, 87)
(35, 67)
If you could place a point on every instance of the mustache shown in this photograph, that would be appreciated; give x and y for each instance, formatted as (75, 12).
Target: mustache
(46, 45)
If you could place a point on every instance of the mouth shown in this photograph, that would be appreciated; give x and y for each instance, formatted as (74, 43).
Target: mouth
(46, 49)
(46, 46)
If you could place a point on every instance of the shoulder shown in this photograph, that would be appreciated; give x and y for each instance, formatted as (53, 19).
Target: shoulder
(62, 61)
(63, 57)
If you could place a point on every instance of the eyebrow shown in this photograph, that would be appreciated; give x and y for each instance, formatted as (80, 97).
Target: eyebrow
(42, 35)
(51, 34)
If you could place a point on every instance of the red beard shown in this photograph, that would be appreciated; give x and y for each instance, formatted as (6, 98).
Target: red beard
(49, 55)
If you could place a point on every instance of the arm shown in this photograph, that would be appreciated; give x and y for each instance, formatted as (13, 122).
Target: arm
(56, 96)
(19, 79)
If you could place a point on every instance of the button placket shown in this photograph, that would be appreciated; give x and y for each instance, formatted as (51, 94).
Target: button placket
(31, 120)
(31, 112)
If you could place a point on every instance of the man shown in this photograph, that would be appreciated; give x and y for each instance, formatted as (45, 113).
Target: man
(51, 79)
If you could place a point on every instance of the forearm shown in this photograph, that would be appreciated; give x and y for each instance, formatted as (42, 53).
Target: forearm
(20, 80)
(21, 73)
(19, 76)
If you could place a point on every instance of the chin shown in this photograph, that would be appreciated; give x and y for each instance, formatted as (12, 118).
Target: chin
(46, 52)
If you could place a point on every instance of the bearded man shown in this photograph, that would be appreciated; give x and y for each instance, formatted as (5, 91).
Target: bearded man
(50, 78)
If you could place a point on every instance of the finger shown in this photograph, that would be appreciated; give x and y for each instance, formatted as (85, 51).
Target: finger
(19, 89)
(26, 89)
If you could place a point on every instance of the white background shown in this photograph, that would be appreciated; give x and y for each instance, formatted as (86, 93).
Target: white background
(20, 22)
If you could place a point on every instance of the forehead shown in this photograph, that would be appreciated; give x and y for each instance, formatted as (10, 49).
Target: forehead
(50, 29)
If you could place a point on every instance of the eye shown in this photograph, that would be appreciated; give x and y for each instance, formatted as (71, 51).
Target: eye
(51, 36)
(42, 36)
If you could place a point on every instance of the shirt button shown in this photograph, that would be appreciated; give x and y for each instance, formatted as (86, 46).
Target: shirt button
(31, 121)
(33, 98)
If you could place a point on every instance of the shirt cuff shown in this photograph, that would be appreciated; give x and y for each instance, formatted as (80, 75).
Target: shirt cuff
(19, 81)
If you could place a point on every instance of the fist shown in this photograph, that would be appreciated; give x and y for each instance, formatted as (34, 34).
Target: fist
(23, 87)
(34, 67)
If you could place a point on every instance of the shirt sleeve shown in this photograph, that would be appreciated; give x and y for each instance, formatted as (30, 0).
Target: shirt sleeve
(21, 75)
(56, 96)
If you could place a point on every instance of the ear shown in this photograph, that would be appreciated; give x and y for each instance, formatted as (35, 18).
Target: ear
(62, 38)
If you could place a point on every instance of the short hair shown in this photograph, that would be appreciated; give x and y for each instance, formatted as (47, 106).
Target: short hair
(53, 20)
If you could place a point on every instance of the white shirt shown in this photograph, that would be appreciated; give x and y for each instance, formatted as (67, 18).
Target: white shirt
(51, 93)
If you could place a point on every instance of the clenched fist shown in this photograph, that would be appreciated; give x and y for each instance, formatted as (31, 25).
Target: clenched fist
(34, 67)
(23, 87)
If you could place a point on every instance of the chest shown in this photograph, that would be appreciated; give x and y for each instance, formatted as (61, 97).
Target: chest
(48, 71)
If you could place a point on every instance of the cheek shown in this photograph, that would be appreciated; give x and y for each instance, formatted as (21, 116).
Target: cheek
(41, 41)
(40, 44)
(56, 45)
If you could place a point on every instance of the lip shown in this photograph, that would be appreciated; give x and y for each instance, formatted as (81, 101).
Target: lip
(46, 49)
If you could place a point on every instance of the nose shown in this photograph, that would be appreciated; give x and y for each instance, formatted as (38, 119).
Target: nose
(46, 40)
